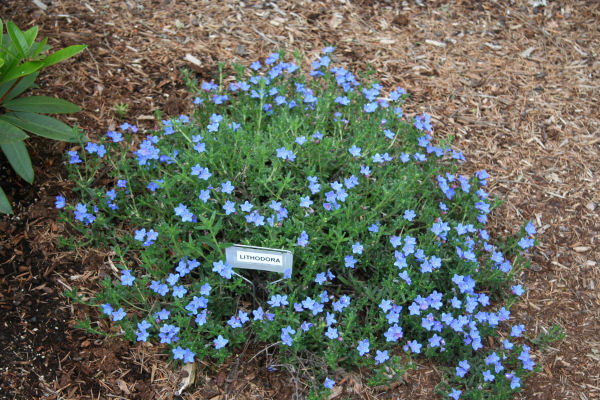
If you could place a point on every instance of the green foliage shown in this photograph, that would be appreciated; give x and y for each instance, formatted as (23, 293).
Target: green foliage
(21, 59)
(392, 260)
(120, 110)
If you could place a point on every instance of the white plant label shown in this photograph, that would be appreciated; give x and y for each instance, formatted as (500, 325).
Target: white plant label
(260, 258)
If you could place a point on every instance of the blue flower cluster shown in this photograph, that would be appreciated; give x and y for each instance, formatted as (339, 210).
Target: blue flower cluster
(343, 201)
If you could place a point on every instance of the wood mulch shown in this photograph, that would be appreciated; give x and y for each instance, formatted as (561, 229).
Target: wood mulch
(517, 86)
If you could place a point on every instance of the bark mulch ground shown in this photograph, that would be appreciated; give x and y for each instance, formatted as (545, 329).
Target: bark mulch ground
(516, 85)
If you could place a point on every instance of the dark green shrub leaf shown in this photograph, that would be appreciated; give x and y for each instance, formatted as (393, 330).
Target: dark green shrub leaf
(20, 87)
(42, 125)
(42, 104)
(20, 71)
(18, 39)
(63, 54)
(10, 133)
(30, 35)
(4, 203)
(39, 48)
(18, 157)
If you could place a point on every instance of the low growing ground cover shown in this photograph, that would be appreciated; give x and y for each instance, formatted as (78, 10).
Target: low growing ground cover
(392, 260)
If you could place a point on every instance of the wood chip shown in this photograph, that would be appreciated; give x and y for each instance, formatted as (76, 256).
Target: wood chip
(189, 373)
(40, 4)
(435, 43)
(527, 53)
(581, 249)
(193, 60)
(335, 20)
(123, 386)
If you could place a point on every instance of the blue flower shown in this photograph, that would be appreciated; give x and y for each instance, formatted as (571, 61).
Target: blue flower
(118, 315)
(60, 202)
(455, 394)
(208, 86)
(350, 261)
(95, 148)
(188, 356)
(258, 314)
(163, 314)
(363, 347)
(115, 136)
(382, 356)
(229, 207)
(343, 100)
(278, 300)
(183, 212)
(285, 154)
(355, 151)
(303, 239)
(329, 383)
(179, 291)
(436, 341)
(517, 330)
(305, 202)
(409, 215)
(107, 309)
(126, 278)
(332, 333)
(515, 382)
(227, 187)
(463, 367)
(234, 322)
(395, 241)
(488, 376)
(370, 107)
(530, 229)
(178, 353)
(526, 243)
(517, 289)
(272, 58)
(305, 326)
(357, 248)
(220, 342)
(286, 335)
(201, 172)
(146, 151)
(74, 157)
(320, 278)
(223, 269)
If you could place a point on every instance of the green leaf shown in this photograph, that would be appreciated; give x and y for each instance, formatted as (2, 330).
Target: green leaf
(42, 125)
(63, 54)
(30, 35)
(20, 87)
(18, 157)
(4, 203)
(39, 48)
(10, 133)
(41, 104)
(18, 39)
(22, 70)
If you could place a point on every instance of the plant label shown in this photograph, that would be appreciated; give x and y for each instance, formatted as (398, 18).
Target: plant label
(261, 258)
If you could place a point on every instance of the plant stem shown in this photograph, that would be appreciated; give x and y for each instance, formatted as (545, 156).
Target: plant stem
(11, 88)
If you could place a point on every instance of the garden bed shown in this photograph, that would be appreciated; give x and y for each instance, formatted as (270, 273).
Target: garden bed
(518, 115)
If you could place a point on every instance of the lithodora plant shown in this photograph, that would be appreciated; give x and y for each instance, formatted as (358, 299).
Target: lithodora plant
(21, 60)
(391, 257)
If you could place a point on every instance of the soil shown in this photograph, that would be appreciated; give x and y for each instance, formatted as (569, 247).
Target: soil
(515, 84)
